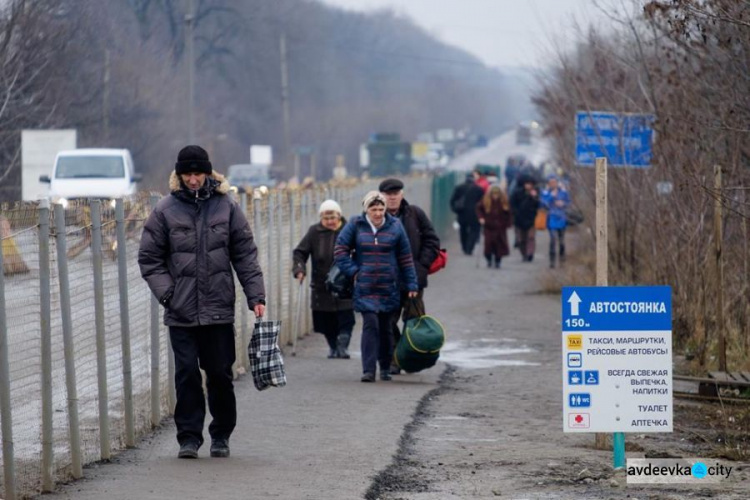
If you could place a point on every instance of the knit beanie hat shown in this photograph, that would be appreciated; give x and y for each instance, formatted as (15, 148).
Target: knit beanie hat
(193, 159)
(372, 197)
(329, 206)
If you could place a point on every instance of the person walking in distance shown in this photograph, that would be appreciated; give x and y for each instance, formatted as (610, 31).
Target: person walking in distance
(190, 243)
(381, 261)
(463, 203)
(524, 204)
(494, 215)
(333, 317)
(480, 179)
(425, 246)
(556, 200)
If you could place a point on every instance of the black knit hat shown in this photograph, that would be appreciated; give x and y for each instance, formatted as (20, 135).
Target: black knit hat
(193, 159)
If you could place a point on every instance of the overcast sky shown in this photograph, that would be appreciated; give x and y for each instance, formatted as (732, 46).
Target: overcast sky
(500, 32)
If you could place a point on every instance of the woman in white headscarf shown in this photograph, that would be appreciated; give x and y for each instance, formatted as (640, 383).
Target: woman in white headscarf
(333, 317)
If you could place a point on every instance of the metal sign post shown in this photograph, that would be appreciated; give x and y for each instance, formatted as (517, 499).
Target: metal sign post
(622, 140)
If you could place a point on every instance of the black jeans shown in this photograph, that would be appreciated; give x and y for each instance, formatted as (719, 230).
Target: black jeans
(376, 341)
(470, 234)
(212, 349)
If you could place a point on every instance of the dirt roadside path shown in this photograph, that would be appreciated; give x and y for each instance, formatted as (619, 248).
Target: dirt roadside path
(493, 429)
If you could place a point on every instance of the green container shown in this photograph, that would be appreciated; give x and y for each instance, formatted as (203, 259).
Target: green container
(420, 344)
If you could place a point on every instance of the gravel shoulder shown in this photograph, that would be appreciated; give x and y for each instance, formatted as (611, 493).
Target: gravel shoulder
(493, 428)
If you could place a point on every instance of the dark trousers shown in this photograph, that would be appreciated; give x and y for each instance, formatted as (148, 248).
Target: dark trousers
(527, 242)
(409, 308)
(210, 348)
(334, 324)
(376, 341)
(556, 239)
(469, 237)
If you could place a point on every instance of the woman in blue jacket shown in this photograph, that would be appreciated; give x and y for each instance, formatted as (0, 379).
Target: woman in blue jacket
(555, 199)
(374, 251)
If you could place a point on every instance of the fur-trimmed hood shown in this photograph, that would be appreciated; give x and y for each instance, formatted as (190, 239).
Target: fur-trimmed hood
(223, 188)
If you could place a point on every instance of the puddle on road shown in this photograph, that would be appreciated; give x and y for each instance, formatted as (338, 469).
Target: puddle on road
(485, 353)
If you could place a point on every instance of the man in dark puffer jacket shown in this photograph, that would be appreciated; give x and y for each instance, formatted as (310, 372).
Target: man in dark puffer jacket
(189, 245)
(425, 246)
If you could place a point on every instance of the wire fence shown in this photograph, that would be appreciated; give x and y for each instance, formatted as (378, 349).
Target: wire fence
(85, 363)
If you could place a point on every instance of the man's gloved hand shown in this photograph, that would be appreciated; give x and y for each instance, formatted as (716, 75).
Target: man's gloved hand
(164, 300)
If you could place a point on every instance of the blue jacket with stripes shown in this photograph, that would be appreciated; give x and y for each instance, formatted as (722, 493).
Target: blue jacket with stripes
(380, 261)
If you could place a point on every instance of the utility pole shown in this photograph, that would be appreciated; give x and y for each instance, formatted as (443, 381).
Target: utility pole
(285, 103)
(189, 27)
(105, 98)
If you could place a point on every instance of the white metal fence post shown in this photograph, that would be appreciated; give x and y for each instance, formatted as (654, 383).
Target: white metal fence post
(69, 350)
(244, 362)
(9, 473)
(45, 323)
(101, 346)
(279, 258)
(155, 352)
(270, 285)
(122, 278)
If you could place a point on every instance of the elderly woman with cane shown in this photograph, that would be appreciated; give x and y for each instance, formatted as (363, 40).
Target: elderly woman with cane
(333, 317)
(374, 251)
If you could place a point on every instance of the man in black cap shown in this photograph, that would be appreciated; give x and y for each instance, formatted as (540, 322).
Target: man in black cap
(425, 246)
(464, 203)
(190, 243)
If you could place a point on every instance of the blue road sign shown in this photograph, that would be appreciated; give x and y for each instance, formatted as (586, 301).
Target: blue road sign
(579, 400)
(625, 139)
(591, 377)
(616, 308)
(575, 377)
(574, 360)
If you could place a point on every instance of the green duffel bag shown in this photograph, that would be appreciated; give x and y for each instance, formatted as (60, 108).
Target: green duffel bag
(420, 344)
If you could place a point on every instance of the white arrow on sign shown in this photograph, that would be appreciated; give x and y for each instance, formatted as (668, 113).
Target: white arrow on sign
(574, 301)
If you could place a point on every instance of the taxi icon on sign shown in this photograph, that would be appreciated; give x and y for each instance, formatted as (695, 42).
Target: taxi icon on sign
(575, 342)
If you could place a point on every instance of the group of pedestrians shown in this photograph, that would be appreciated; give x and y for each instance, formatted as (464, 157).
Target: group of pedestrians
(482, 206)
(197, 235)
(386, 251)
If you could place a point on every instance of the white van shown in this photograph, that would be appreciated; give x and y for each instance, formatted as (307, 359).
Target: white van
(91, 173)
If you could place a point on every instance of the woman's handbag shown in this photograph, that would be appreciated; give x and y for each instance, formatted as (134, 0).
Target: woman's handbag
(266, 362)
(440, 261)
(338, 284)
(540, 222)
(573, 215)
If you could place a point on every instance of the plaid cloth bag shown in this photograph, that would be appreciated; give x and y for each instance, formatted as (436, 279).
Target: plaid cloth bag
(266, 363)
